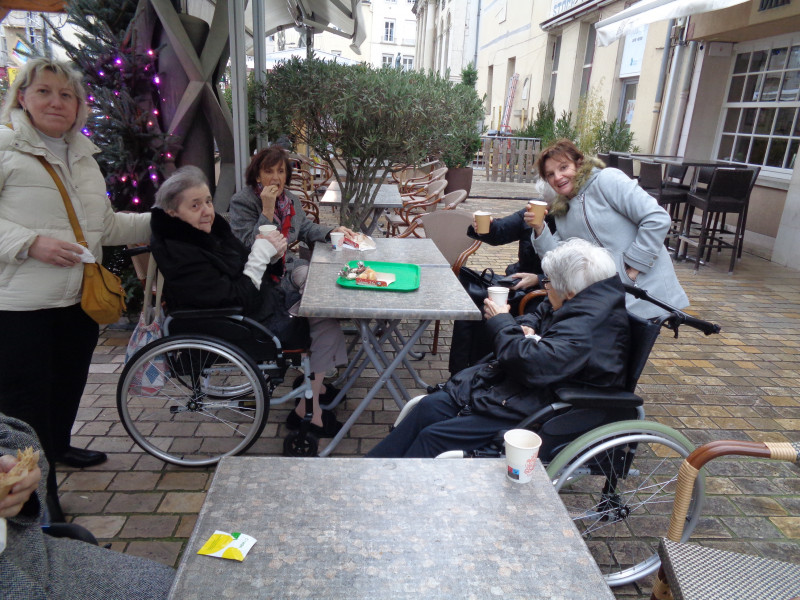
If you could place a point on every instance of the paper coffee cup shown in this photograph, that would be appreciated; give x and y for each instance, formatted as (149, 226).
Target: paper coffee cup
(498, 295)
(522, 448)
(265, 229)
(483, 220)
(537, 207)
(337, 239)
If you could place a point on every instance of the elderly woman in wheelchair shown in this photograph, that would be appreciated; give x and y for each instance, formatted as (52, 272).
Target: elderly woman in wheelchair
(569, 372)
(205, 267)
(579, 334)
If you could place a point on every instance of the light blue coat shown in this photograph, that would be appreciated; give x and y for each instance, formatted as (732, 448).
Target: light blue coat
(611, 210)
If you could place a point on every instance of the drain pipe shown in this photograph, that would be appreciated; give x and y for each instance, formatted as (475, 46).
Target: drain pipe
(477, 35)
(662, 78)
(683, 98)
(667, 122)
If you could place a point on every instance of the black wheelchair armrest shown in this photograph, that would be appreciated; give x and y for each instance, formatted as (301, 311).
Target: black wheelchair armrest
(200, 313)
(598, 398)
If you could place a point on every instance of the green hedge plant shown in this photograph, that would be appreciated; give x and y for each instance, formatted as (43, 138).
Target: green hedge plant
(365, 121)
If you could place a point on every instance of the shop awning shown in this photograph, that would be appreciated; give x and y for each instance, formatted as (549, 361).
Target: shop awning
(650, 11)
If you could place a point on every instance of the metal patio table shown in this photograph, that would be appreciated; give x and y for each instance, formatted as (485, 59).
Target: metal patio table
(355, 528)
(388, 197)
(378, 313)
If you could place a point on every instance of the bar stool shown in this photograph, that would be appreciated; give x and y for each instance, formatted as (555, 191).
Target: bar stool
(669, 198)
(728, 192)
(625, 164)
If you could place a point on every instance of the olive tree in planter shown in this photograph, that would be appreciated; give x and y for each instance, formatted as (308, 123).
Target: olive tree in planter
(363, 120)
(463, 141)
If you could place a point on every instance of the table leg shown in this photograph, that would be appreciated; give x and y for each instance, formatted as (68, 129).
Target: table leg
(368, 228)
(359, 364)
(399, 338)
(383, 379)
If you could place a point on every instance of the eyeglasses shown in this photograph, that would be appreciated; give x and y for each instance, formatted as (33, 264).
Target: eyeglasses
(544, 281)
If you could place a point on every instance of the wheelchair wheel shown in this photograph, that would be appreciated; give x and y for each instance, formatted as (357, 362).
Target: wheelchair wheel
(190, 400)
(300, 445)
(618, 484)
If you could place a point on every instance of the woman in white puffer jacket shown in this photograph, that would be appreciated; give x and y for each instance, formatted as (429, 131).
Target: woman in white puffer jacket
(48, 340)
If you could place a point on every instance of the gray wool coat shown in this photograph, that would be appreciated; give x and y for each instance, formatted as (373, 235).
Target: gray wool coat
(246, 217)
(611, 210)
(35, 566)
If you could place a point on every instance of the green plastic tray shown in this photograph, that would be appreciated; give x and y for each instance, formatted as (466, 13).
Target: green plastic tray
(406, 276)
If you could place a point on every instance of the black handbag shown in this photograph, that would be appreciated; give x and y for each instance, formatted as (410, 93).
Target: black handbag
(477, 284)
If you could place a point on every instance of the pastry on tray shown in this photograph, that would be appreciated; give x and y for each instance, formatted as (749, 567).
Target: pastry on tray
(364, 275)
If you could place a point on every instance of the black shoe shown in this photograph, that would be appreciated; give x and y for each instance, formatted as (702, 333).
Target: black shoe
(330, 426)
(80, 458)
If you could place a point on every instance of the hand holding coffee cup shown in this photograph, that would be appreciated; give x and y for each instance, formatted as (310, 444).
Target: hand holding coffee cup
(337, 239)
(265, 229)
(539, 209)
(482, 221)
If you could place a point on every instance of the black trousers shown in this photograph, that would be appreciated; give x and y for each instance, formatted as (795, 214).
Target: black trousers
(44, 363)
(434, 426)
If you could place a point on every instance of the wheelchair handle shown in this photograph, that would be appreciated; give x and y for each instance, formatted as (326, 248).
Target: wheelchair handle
(677, 317)
(136, 250)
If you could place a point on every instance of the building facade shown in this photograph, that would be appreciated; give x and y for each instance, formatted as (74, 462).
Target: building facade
(720, 85)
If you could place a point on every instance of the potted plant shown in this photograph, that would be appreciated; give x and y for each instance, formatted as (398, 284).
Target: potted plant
(462, 139)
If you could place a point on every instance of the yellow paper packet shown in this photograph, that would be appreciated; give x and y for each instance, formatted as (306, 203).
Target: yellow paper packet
(233, 546)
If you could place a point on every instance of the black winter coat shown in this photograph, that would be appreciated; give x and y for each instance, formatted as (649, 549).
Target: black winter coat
(509, 229)
(206, 270)
(585, 343)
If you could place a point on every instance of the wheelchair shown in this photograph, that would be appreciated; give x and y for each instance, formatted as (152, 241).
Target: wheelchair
(204, 390)
(615, 472)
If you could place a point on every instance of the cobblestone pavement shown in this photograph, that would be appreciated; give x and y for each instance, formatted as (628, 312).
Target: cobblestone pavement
(741, 384)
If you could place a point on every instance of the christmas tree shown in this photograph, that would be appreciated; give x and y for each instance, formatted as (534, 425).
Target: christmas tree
(123, 94)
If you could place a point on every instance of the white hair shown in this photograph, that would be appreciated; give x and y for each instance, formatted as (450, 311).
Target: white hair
(181, 180)
(576, 264)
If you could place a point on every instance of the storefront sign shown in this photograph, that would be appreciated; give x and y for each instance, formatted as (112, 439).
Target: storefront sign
(633, 52)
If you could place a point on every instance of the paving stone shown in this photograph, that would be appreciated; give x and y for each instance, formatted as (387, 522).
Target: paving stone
(163, 552)
(103, 527)
(182, 502)
(751, 527)
(86, 481)
(759, 505)
(149, 526)
(186, 526)
(74, 503)
(789, 526)
(134, 503)
(135, 480)
(183, 481)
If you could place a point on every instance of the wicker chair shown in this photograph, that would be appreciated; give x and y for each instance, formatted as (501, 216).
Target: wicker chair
(692, 572)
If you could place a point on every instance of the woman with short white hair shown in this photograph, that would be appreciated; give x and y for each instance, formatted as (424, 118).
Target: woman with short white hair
(580, 335)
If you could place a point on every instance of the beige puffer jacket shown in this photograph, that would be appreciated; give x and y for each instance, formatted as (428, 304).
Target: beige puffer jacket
(30, 205)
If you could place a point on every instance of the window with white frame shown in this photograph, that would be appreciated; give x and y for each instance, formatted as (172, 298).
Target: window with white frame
(588, 60)
(555, 55)
(388, 30)
(408, 63)
(760, 120)
(387, 60)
